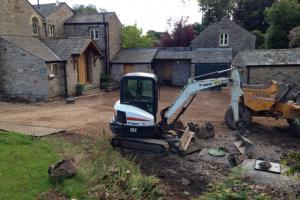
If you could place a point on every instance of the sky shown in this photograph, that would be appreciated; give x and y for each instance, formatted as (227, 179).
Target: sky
(147, 14)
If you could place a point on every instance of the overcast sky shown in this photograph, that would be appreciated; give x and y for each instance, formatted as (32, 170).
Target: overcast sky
(147, 14)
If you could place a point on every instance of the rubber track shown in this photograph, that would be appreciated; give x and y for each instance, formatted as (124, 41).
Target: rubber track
(141, 145)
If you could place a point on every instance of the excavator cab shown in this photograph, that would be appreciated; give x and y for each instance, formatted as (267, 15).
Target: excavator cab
(140, 90)
(135, 112)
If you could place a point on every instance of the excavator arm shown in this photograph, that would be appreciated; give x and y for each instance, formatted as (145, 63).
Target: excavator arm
(194, 86)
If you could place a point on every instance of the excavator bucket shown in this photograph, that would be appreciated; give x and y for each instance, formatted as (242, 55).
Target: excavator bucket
(244, 145)
(185, 140)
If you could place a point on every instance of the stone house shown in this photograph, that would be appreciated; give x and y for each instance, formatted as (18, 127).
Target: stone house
(37, 60)
(262, 66)
(225, 34)
(103, 28)
(55, 14)
(132, 60)
(173, 66)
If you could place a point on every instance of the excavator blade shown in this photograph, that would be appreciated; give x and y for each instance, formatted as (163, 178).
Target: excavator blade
(155, 146)
(244, 145)
(185, 140)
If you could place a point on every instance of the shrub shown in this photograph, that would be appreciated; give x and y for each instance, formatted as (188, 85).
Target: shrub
(104, 79)
(79, 89)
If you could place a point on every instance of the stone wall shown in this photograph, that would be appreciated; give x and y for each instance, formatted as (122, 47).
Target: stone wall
(117, 70)
(56, 85)
(16, 16)
(72, 76)
(239, 38)
(58, 18)
(181, 70)
(281, 74)
(115, 36)
(22, 75)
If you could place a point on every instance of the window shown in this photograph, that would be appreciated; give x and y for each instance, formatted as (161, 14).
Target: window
(94, 33)
(54, 69)
(35, 26)
(224, 39)
(51, 30)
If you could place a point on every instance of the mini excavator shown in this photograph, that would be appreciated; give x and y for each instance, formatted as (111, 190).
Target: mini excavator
(134, 123)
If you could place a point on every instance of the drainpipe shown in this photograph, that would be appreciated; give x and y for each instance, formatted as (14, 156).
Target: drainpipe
(66, 79)
(106, 45)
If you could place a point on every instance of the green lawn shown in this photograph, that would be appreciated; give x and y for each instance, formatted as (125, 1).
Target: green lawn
(102, 172)
(23, 166)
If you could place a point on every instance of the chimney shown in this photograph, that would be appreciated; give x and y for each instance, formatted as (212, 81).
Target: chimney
(57, 2)
(38, 2)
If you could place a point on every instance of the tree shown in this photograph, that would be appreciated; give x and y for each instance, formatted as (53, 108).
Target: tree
(132, 38)
(250, 14)
(260, 40)
(82, 9)
(154, 34)
(181, 35)
(215, 10)
(198, 28)
(282, 17)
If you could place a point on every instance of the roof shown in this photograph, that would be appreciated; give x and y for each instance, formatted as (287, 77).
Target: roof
(64, 48)
(197, 55)
(267, 57)
(33, 46)
(47, 9)
(131, 56)
(174, 53)
(89, 18)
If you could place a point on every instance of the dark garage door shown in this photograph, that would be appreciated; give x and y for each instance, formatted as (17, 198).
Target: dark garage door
(205, 68)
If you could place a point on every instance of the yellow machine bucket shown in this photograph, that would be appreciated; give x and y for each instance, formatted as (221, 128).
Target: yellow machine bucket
(260, 97)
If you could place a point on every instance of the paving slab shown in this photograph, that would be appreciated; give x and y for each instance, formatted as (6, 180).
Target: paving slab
(30, 130)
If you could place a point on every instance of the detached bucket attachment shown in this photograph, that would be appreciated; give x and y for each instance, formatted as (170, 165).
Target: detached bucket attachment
(185, 140)
(244, 145)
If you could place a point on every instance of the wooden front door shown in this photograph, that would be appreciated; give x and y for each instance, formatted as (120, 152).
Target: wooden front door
(82, 70)
(167, 73)
(128, 68)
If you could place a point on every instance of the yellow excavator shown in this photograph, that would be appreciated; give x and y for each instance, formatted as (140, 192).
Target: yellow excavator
(265, 101)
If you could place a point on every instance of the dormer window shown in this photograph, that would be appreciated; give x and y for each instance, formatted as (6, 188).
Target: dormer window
(224, 39)
(94, 33)
(51, 30)
(35, 26)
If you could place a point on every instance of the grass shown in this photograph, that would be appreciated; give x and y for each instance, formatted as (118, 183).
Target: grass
(115, 177)
(235, 187)
(292, 161)
(102, 172)
(23, 166)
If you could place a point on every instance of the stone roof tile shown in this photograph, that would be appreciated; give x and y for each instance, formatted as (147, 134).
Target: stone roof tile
(33, 46)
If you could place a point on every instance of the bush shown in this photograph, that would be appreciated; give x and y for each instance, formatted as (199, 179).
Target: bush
(79, 89)
(104, 79)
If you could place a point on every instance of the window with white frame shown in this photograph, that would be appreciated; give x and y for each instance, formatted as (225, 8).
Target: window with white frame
(35, 26)
(94, 33)
(51, 30)
(224, 39)
(53, 69)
